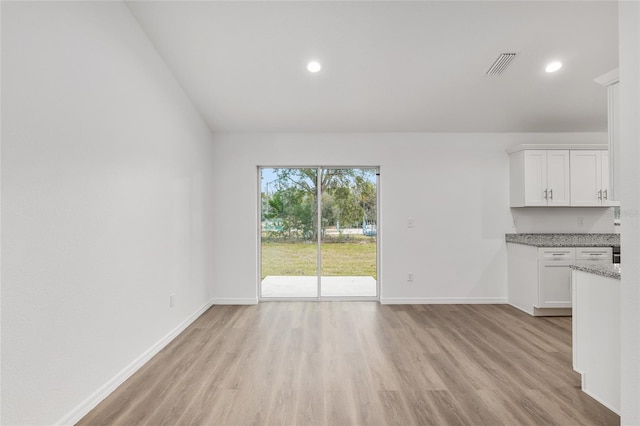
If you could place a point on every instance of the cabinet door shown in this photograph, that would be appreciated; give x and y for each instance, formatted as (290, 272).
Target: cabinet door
(613, 92)
(607, 193)
(554, 283)
(586, 178)
(558, 178)
(535, 177)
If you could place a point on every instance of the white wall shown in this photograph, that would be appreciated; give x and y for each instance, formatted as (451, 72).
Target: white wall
(106, 204)
(629, 31)
(563, 220)
(0, 214)
(455, 187)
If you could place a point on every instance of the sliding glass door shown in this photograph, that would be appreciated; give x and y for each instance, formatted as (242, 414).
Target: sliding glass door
(318, 233)
(349, 233)
(289, 233)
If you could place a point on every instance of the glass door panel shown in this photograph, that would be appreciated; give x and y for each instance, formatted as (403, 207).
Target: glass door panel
(349, 232)
(289, 232)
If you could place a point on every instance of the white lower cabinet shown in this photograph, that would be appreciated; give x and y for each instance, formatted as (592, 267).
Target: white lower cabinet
(554, 277)
(555, 283)
(540, 278)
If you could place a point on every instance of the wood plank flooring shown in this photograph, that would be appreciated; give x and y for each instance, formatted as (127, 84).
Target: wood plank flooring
(359, 363)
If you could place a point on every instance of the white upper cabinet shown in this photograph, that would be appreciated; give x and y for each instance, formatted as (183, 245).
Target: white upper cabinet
(608, 196)
(558, 178)
(590, 179)
(540, 178)
(611, 81)
(576, 175)
(535, 177)
(586, 178)
(614, 142)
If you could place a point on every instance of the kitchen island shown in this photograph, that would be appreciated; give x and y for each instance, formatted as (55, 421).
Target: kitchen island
(609, 270)
(596, 330)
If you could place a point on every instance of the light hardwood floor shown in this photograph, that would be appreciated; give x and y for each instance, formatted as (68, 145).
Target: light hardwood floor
(342, 363)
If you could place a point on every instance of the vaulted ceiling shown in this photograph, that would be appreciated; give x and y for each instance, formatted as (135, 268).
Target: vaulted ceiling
(388, 66)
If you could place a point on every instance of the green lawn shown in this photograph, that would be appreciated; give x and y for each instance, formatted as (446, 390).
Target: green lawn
(347, 258)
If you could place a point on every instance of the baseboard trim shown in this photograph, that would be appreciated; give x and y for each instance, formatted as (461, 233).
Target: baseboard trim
(597, 398)
(443, 301)
(224, 301)
(521, 309)
(552, 312)
(75, 415)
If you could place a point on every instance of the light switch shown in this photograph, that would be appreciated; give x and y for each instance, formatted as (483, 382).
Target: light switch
(410, 223)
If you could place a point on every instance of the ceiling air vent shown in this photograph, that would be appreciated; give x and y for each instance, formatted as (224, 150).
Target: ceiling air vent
(501, 63)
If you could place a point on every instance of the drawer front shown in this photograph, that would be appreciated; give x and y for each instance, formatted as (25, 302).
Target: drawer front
(593, 253)
(558, 253)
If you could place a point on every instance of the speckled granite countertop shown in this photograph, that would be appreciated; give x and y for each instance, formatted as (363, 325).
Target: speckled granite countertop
(565, 240)
(610, 270)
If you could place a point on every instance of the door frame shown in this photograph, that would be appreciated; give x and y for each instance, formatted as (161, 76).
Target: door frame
(319, 297)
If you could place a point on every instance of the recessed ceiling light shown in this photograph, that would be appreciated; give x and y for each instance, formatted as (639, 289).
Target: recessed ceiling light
(314, 66)
(553, 67)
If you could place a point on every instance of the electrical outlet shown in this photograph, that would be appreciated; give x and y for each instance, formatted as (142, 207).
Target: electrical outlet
(410, 277)
(580, 221)
(172, 300)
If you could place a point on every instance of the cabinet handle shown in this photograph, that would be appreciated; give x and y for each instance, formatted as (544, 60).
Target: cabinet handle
(545, 194)
(551, 192)
(605, 194)
(600, 195)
